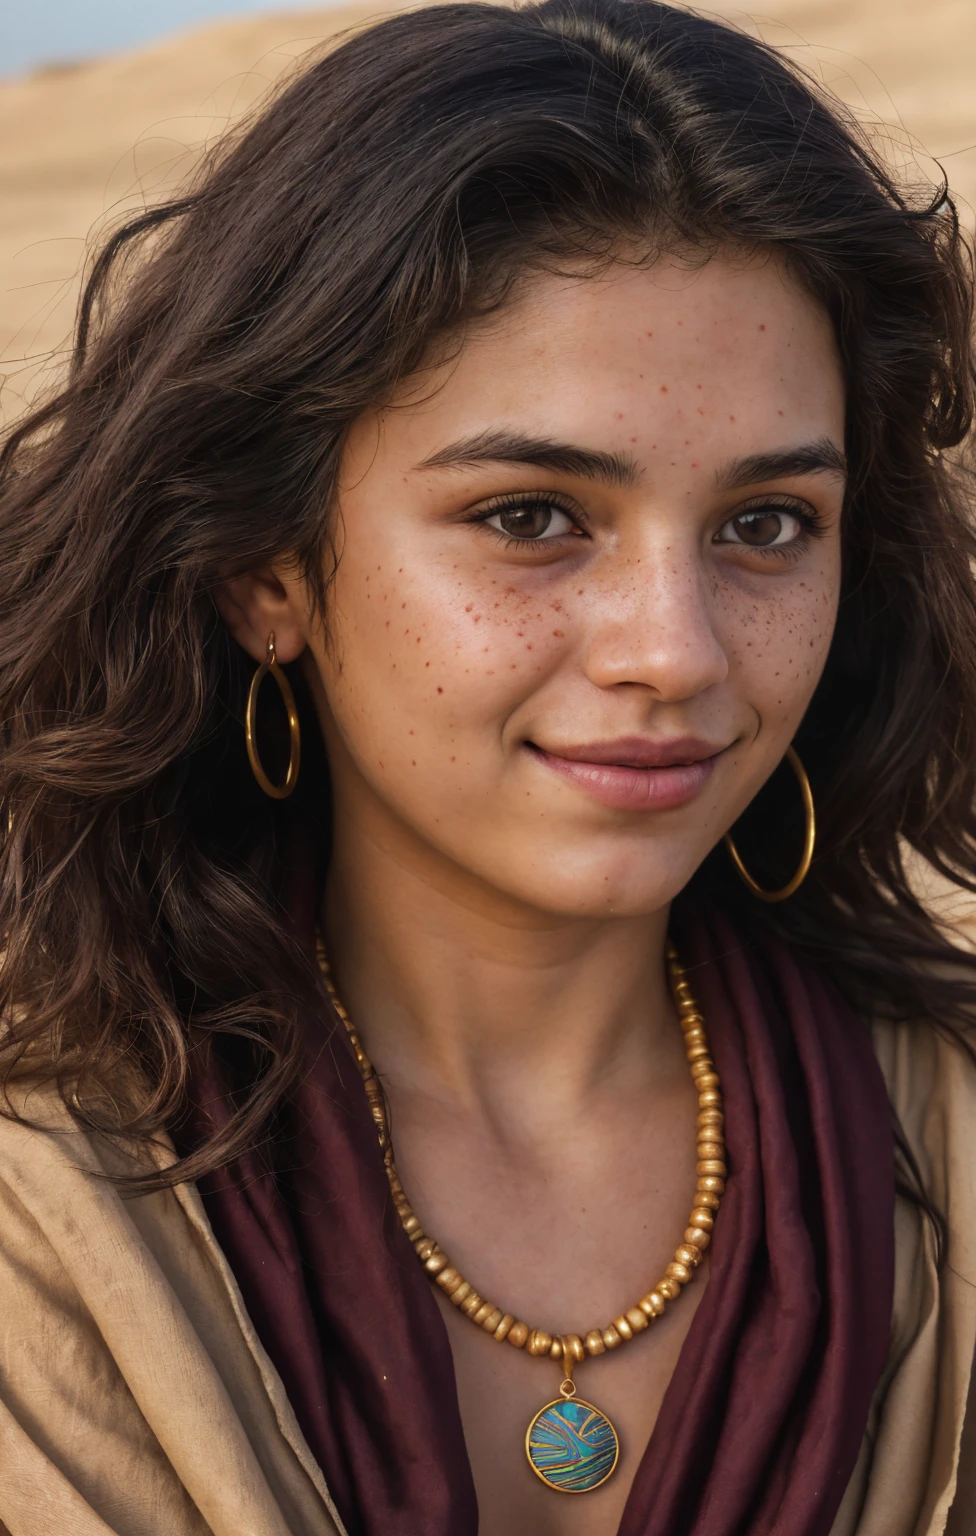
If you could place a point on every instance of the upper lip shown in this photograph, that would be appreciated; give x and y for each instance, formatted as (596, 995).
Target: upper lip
(638, 751)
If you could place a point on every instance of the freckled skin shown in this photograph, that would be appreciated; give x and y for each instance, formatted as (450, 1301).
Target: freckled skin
(661, 630)
(499, 934)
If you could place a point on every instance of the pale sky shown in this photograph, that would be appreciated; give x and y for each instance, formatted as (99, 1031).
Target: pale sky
(36, 32)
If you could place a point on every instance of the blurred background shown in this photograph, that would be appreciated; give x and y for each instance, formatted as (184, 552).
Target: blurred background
(105, 104)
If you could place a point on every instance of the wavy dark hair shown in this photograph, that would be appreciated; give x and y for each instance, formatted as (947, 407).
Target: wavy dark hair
(399, 185)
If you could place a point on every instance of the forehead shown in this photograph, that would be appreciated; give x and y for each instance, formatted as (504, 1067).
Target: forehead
(728, 357)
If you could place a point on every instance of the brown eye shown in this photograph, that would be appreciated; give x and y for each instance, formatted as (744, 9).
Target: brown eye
(537, 520)
(761, 528)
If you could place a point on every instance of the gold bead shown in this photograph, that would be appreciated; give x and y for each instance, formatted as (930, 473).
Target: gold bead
(653, 1304)
(695, 1237)
(711, 1170)
(573, 1347)
(710, 1184)
(711, 1117)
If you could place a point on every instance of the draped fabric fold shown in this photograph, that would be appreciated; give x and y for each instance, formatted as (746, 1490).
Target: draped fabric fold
(762, 1423)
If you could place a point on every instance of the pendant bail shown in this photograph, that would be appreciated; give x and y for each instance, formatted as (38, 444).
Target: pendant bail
(570, 1356)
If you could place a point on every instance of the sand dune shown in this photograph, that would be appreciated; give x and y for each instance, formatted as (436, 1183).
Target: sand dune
(79, 143)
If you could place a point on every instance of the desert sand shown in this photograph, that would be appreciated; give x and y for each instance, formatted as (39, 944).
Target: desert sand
(79, 144)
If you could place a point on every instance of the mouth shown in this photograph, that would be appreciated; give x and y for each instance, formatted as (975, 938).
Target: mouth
(635, 773)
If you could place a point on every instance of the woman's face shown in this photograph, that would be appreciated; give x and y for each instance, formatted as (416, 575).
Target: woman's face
(588, 577)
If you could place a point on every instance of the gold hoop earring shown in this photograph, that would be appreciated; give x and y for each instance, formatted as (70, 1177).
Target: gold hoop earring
(803, 868)
(270, 664)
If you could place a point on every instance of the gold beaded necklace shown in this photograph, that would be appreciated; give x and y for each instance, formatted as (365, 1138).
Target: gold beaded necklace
(570, 1444)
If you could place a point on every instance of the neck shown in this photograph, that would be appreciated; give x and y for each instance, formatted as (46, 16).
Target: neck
(509, 1013)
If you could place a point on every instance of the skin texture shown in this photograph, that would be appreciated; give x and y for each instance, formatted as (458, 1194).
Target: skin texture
(498, 928)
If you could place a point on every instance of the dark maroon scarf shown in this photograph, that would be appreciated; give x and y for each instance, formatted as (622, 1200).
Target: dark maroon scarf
(763, 1420)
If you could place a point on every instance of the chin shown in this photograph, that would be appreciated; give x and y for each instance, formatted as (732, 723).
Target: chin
(599, 892)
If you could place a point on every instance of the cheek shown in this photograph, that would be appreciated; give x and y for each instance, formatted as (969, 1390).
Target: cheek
(777, 643)
(453, 647)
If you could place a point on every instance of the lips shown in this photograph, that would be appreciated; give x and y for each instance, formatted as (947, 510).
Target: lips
(634, 773)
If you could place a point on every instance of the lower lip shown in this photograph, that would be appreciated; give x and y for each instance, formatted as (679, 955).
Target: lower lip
(633, 789)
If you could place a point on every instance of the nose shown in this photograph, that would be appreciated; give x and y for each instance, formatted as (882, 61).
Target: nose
(651, 624)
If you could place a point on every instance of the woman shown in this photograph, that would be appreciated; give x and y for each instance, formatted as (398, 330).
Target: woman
(554, 405)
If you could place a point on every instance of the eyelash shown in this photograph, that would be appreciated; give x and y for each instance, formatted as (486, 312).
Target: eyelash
(812, 523)
(515, 499)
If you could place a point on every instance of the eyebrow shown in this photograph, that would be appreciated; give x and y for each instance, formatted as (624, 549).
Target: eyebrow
(503, 446)
(819, 457)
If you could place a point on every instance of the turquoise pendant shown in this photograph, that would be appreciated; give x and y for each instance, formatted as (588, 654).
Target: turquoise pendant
(571, 1445)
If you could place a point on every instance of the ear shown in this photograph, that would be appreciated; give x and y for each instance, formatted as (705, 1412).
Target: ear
(258, 604)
